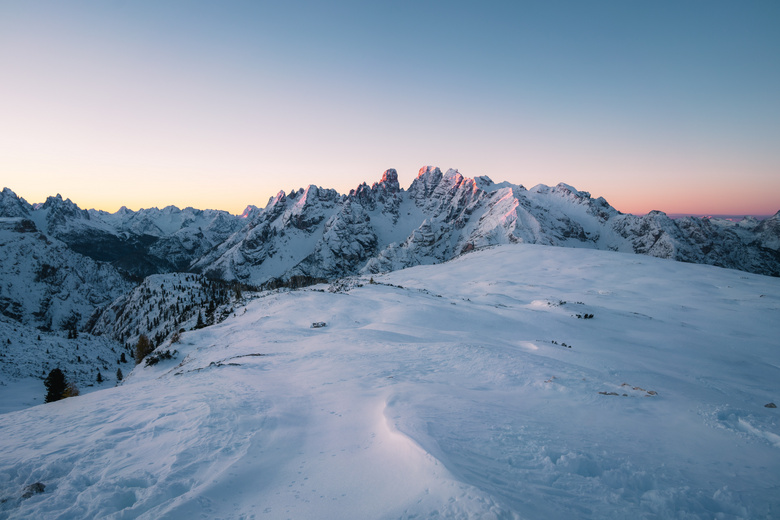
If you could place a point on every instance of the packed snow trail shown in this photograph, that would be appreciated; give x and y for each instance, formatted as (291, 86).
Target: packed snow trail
(464, 390)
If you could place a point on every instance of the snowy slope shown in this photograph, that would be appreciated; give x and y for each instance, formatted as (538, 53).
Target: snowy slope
(27, 355)
(464, 390)
(165, 303)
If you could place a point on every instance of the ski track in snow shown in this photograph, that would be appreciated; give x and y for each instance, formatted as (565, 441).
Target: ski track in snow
(439, 392)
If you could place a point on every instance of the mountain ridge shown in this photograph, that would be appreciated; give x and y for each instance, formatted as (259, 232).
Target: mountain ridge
(316, 233)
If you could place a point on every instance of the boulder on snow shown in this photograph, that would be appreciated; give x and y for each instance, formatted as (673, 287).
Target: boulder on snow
(318, 324)
(770, 405)
(33, 489)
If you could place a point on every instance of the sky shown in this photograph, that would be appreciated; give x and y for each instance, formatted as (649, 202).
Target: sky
(665, 105)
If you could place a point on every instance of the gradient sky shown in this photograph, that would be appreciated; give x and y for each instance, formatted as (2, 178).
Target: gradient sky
(669, 105)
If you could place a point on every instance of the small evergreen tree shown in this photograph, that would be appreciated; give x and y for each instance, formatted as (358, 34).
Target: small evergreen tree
(122, 358)
(99, 377)
(55, 385)
(143, 348)
(119, 375)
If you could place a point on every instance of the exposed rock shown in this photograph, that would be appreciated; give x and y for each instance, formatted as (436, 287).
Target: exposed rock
(33, 489)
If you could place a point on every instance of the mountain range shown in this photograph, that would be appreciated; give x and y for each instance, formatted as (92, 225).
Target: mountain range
(62, 264)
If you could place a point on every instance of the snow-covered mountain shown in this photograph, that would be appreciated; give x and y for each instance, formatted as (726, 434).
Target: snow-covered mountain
(519, 381)
(44, 283)
(140, 243)
(317, 233)
(62, 265)
(84, 259)
(320, 234)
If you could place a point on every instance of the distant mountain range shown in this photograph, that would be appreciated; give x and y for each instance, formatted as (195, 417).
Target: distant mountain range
(62, 264)
(735, 218)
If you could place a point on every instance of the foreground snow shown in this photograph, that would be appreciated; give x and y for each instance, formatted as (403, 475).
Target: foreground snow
(439, 392)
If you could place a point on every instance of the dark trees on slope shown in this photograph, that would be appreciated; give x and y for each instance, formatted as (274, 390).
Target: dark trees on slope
(143, 348)
(55, 385)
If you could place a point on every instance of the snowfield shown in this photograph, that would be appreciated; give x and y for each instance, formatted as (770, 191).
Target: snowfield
(469, 389)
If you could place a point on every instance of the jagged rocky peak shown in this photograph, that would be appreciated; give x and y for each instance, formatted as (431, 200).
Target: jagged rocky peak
(483, 182)
(562, 190)
(315, 194)
(362, 194)
(280, 198)
(61, 211)
(456, 180)
(427, 179)
(11, 205)
(568, 190)
(381, 191)
(389, 182)
(249, 212)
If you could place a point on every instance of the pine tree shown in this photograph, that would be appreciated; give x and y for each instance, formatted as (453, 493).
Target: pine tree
(119, 375)
(143, 348)
(55, 385)
(99, 377)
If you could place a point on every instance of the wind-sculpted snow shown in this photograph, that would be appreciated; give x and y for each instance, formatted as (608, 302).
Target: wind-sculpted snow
(519, 381)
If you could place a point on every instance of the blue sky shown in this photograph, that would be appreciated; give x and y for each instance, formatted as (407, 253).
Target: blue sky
(653, 105)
